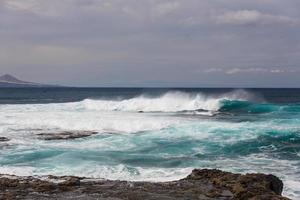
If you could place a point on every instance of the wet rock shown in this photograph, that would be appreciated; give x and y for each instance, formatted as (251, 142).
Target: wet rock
(257, 186)
(227, 193)
(66, 135)
(203, 197)
(72, 181)
(275, 184)
(43, 186)
(8, 196)
(3, 139)
(200, 184)
(8, 183)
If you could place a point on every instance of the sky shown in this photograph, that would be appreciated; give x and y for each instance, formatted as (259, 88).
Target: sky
(152, 43)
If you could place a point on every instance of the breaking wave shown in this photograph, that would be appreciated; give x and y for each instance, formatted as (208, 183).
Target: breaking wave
(237, 101)
(238, 106)
(168, 102)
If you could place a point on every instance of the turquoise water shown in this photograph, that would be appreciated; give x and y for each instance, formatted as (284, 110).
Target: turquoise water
(157, 137)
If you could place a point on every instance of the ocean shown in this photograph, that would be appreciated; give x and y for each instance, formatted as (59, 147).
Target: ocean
(153, 134)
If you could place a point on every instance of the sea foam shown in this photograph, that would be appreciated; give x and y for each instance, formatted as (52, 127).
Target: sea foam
(168, 102)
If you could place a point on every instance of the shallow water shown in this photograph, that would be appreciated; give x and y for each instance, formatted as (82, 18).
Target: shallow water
(152, 134)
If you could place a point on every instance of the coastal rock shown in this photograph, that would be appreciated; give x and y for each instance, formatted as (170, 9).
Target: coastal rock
(200, 184)
(71, 181)
(257, 186)
(3, 139)
(66, 135)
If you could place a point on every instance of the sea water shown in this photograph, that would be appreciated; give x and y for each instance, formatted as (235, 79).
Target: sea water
(152, 134)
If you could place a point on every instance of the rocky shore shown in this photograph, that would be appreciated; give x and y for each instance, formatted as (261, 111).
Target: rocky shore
(66, 135)
(202, 184)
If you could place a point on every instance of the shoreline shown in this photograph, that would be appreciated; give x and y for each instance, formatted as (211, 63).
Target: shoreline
(200, 184)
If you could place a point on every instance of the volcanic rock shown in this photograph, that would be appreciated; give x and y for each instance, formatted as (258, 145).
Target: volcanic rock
(66, 135)
(200, 184)
(3, 139)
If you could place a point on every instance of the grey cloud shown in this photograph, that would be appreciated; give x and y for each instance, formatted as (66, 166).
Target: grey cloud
(121, 42)
(250, 70)
(246, 17)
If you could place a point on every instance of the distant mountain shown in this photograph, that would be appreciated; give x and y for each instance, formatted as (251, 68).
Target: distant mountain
(11, 81)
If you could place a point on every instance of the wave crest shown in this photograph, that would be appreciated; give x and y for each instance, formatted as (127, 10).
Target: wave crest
(247, 106)
(169, 102)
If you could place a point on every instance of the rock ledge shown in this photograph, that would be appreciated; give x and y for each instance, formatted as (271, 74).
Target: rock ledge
(66, 135)
(202, 184)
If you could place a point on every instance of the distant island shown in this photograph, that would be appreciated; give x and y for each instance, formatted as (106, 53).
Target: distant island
(8, 80)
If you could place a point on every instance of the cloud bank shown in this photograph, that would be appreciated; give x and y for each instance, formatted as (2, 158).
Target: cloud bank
(258, 70)
(248, 17)
(151, 42)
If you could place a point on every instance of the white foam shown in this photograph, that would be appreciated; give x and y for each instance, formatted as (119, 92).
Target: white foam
(94, 121)
(169, 102)
(18, 171)
(292, 188)
(118, 172)
(101, 115)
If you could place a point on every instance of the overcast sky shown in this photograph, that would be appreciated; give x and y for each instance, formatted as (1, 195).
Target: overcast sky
(199, 43)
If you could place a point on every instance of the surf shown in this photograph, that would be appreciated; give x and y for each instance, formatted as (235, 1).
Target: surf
(154, 136)
(172, 101)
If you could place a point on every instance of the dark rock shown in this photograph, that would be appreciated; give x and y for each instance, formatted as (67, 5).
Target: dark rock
(8, 183)
(242, 186)
(275, 184)
(66, 135)
(43, 186)
(3, 139)
(200, 184)
(72, 181)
